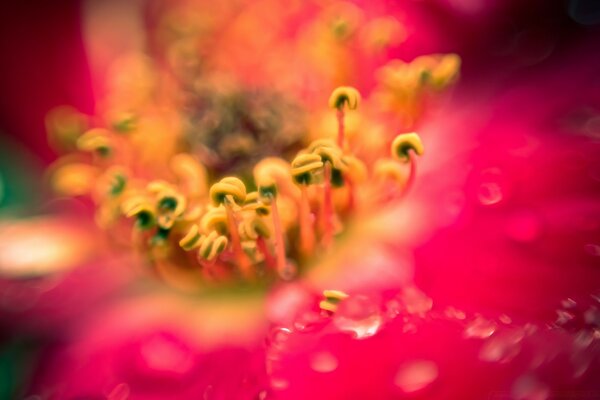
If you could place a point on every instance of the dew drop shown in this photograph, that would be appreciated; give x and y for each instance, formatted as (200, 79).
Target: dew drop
(416, 375)
(308, 321)
(480, 328)
(416, 302)
(502, 347)
(165, 353)
(289, 272)
(120, 392)
(279, 383)
(505, 319)
(323, 362)
(359, 316)
(454, 313)
(489, 193)
(529, 388)
(278, 336)
(592, 249)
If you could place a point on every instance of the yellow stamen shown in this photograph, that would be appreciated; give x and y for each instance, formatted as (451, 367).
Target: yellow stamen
(332, 299)
(405, 142)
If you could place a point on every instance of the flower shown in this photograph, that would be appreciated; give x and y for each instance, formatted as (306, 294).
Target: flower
(299, 241)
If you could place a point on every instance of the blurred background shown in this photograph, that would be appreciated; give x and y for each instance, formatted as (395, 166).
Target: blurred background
(511, 207)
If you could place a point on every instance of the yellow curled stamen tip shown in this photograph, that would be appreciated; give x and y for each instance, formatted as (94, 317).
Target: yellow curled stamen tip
(304, 166)
(74, 179)
(344, 95)
(389, 169)
(405, 142)
(328, 306)
(158, 186)
(191, 239)
(96, 139)
(334, 294)
(253, 227)
(211, 245)
(215, 219)
(228, 187)
(356, 169)
(171, 202)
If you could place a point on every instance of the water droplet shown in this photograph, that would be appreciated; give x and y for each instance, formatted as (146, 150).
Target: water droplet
(529, 388)
(358, 315)
(563, 317)
(489, 193)
(165, 353)
(262, 395)
(502, 347)
(592, 249)
(308, 321)
(323, 361)
(416, 375)
(289, 272)
(592, 316)
(278, 336)
(568, 303)
(279, 383)
(120, 392)
(415, 301)
(480, 328)
(454, 313)
(505, 319)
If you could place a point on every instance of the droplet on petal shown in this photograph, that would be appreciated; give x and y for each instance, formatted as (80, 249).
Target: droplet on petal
(323, 361)
(416, 375)
(416, 302)
(592, 249)
(161, 353)
(120, 392)
(502, 347)
(358, 315)
(480, 328)
(529, 388)
(489, 193)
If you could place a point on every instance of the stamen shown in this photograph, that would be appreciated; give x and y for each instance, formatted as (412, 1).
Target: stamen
(332, 299)
(343, 95)
(229, 191)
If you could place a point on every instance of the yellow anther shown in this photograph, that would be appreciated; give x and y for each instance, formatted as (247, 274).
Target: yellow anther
(388, 169)
(334, 295)
(332, 299)
(74, 179)
(253, 203)
(270, 173)
(446, 71)
(252, 227)
(141, 208)
(171, 202)
(64, 125)
(191, 240)
(214, 220)
(112, 182)
(191, 175)
(356, 169)
(97, 140)
(211, 245)
(344, 95)
(229, 187)
(328, 151)
(405, 142)
(304, 166)
(158, 186)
